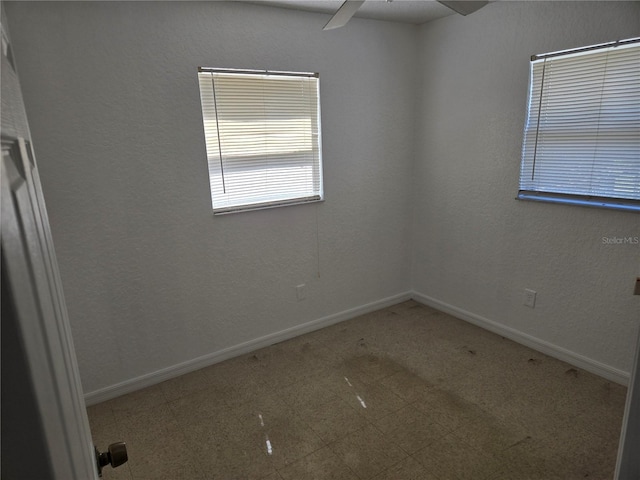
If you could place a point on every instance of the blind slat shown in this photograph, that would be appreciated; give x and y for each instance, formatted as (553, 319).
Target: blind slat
(582, 134)
(262, 135)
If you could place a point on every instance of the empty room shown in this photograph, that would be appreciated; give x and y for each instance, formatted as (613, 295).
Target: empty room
(403, 247)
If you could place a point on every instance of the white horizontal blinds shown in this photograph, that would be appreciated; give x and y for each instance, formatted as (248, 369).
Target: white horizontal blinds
(582, 135)
(262, 138)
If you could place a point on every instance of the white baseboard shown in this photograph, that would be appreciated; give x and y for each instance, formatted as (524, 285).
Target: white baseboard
(575, 359)
(128, 386)
(147, 380)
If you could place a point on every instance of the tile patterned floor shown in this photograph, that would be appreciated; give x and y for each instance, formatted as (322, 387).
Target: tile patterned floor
(404, 393)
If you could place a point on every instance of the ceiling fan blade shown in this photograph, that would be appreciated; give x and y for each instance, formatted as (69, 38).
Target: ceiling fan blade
(344, 14)
(463, 8)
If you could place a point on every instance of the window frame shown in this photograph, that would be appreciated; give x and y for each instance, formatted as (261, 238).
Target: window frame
(276, 171)
(546, 192)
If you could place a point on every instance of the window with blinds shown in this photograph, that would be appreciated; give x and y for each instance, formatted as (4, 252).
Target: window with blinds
(582, 134)
(262, 133)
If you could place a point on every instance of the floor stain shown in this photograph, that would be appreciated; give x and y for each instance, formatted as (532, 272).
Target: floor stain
(476, 425)
(520, 442)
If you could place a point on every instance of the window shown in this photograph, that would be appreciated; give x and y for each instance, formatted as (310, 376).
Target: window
(582, 134)
(262, 132)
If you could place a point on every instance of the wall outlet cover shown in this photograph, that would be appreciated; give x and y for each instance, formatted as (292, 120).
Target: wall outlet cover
(530, 298)
(301, 291)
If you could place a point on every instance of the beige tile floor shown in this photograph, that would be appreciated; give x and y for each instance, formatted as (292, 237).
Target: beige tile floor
(404, 393)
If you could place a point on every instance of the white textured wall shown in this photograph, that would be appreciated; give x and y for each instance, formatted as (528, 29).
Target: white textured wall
(151, 278)
(476, 248)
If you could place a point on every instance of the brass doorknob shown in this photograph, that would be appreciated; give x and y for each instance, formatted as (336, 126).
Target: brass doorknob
(115, 456)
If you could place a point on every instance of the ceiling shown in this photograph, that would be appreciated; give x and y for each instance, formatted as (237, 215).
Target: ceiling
(407, 11)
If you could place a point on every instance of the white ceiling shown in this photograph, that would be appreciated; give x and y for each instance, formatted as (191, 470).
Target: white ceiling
(407, 11)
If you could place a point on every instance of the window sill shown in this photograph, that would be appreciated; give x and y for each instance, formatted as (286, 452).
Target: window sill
(583, 201)
(265, 206)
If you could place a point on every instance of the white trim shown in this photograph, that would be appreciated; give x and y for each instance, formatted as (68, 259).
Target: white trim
(147, 380)
(575, 359)
(158, 376)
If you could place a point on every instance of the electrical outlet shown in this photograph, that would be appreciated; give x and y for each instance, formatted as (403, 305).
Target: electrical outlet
(301, 292)
(530, 298)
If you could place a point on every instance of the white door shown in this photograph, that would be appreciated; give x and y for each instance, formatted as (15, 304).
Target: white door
(45, 430)
(38, 346)
(628, 466)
